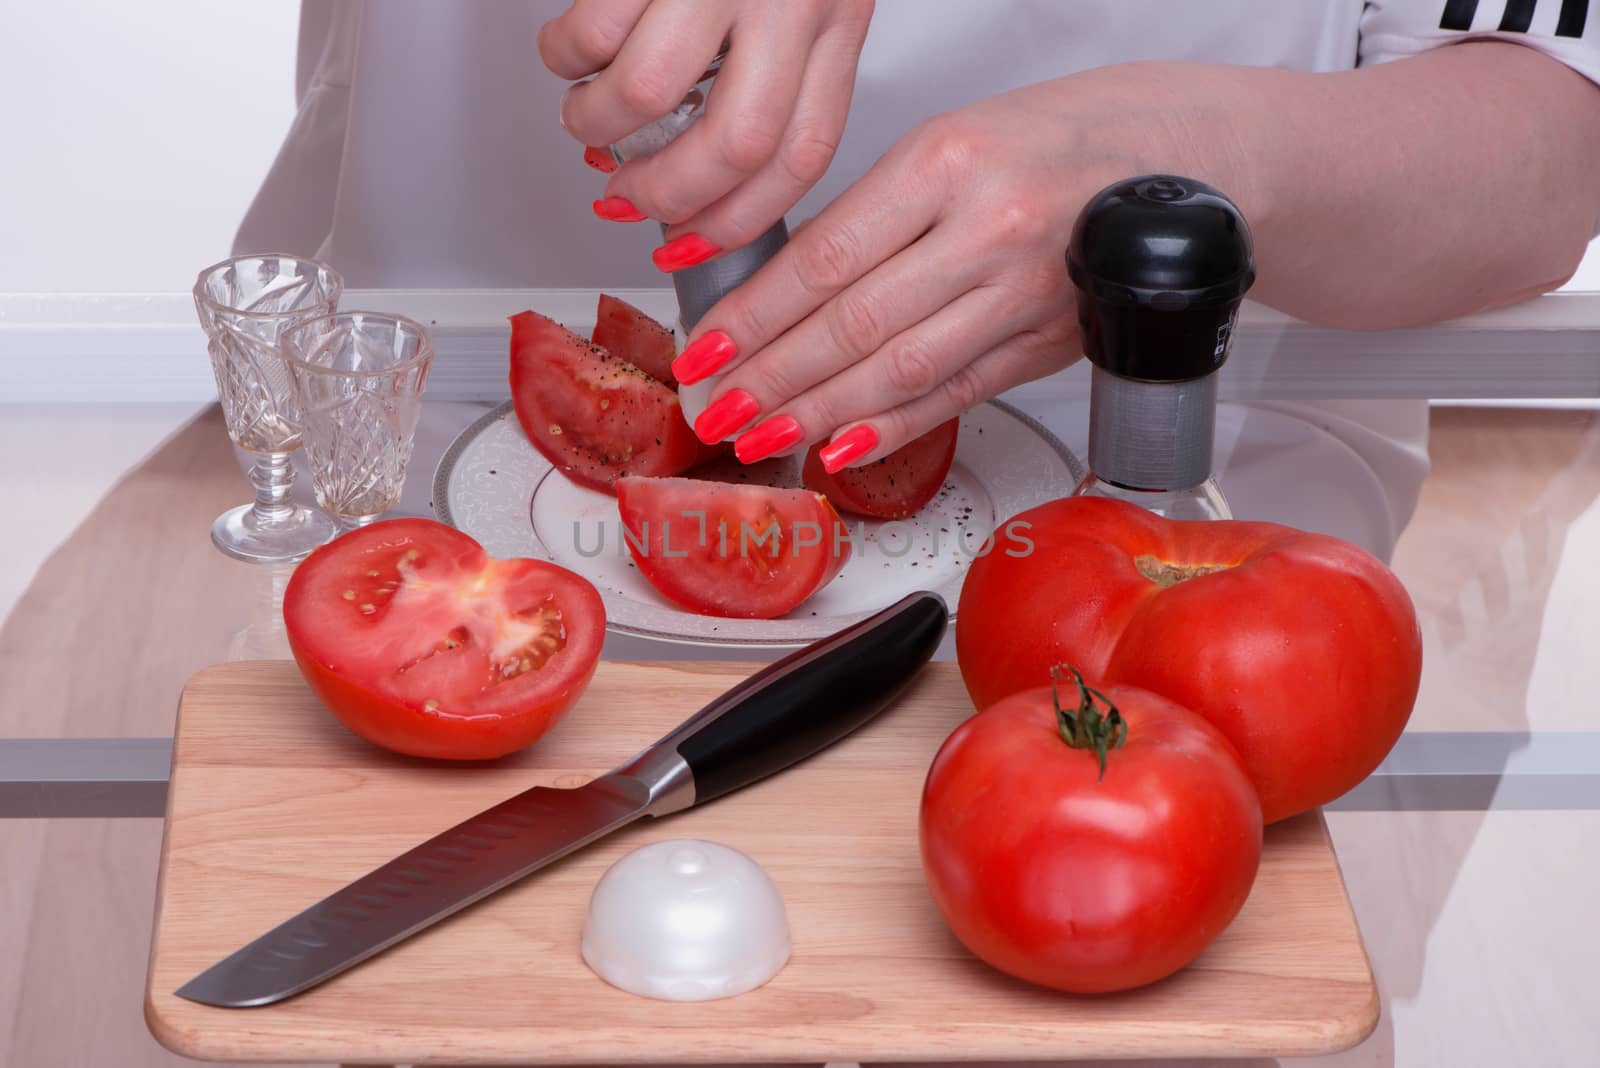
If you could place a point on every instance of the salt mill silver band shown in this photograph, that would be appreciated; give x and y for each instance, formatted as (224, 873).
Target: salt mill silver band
(1151, 435)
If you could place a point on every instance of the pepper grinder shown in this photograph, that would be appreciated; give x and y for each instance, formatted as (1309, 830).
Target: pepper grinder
(1161, 263)
(701, 286)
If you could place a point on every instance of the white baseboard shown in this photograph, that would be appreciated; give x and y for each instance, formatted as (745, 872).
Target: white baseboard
(103, 347)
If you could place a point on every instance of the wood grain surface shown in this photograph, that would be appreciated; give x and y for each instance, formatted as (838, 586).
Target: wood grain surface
(274, 805)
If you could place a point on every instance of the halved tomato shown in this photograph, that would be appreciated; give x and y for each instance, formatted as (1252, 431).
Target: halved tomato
(625, 331)
(594, 415)
(751, 552)
(419, 641)
(894, 486)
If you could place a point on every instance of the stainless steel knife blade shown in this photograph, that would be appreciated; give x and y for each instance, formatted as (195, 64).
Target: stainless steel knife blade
(443, 875)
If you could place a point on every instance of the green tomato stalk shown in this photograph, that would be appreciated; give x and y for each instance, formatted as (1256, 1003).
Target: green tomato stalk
(1087, 726)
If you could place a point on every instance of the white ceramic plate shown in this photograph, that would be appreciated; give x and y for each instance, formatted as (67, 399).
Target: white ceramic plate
(492, 484)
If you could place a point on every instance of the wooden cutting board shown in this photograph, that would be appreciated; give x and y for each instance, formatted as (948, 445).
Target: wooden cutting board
(274, 805)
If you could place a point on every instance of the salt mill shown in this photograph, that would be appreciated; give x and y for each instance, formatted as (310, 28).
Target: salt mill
(1161, 263)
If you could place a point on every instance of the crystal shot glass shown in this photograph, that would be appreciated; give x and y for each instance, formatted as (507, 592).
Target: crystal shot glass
(245, 305)
(358, 381)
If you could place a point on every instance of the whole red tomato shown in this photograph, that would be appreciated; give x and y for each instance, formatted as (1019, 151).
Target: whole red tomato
(1087, 870)
(419, 641)
(1302, 648)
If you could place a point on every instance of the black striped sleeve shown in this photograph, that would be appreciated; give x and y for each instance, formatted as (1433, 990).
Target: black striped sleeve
(1517, 16)
(1574, 13)
(1458, 14)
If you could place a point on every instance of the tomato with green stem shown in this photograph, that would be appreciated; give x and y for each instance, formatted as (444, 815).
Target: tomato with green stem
(1091, 846)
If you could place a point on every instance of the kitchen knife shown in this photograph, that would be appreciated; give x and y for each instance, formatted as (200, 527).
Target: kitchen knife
(775, 718)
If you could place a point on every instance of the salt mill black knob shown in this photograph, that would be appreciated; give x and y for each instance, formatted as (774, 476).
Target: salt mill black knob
(1161, 263)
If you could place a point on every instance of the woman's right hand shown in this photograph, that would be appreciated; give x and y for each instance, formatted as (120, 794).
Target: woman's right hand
(770, 129)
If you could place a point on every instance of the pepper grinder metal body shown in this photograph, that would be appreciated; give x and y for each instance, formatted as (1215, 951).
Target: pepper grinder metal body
(1161, 264)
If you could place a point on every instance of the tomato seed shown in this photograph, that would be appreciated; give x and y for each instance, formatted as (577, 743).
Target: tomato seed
(373, 573)
(555, 431)
(349, 595)
(368, 609)
(430, 705)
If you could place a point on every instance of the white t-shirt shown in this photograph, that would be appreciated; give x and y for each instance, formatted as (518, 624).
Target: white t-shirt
(426, 152)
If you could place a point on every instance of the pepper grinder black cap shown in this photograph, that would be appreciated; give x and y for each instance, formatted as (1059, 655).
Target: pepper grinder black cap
(1161, 263)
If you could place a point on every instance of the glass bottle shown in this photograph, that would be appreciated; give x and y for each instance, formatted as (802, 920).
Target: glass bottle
(1161, 264)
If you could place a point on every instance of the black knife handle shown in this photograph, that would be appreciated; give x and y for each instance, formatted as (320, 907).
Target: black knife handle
(810, 699)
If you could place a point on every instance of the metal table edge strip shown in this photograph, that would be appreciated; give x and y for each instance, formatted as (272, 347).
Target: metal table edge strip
(56, 778)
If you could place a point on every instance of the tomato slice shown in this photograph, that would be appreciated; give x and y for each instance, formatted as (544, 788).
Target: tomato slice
(600, 158)
(595, 416)
(894, 486)
(750, 552)
(419, 641)
(625, 331)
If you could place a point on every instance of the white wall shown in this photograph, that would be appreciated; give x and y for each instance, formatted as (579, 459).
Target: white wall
(133, 135)
(1588, 274)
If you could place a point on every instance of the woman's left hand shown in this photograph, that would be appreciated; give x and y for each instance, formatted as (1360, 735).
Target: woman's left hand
(935, 282)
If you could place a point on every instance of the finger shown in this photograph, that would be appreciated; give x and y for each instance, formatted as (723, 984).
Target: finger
(587, 36)
(1021, 358)
(910, 288)
(726, 183)
(912, 364)
(890, 207)
(805, 151)
(743, 127)
(661, 60)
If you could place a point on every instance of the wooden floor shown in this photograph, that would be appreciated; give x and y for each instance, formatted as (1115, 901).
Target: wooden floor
(1501, 559)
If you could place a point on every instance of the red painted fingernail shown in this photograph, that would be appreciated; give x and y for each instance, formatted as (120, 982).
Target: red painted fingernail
(618, 209)
(768, 439)
(703, 357)
(724, 415)
(685, 251)
(848, 447)
(600, 159)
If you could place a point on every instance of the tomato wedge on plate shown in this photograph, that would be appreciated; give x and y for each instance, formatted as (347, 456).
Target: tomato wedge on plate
(593, 415)
(625, 331)
(600, 158)
(894, 486)
(720, 549)
(419, 641)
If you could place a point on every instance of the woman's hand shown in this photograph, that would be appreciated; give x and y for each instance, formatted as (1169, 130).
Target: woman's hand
(771, 126)
(939, 279)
